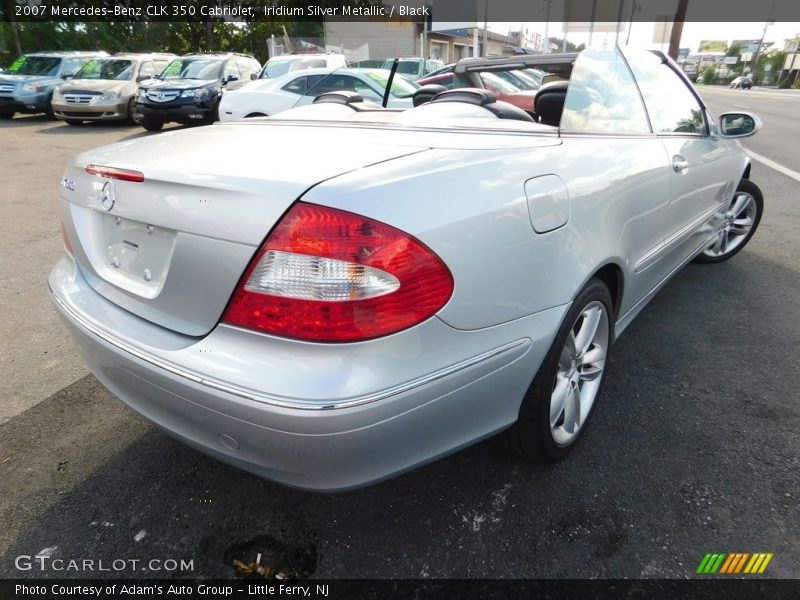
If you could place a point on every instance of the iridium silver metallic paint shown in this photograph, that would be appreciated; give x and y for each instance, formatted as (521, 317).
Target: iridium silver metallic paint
(336, 416)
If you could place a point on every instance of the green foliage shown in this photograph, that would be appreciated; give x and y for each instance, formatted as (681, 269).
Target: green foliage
(709, 75)
(150, 36)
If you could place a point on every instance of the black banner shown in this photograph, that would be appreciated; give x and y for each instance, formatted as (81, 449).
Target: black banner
(369, 589)
(455, 11)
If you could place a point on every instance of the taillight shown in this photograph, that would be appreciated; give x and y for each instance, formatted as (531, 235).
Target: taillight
(328, 275)
(114, 173)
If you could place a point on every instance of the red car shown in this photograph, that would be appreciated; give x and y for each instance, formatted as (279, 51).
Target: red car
(504, 90)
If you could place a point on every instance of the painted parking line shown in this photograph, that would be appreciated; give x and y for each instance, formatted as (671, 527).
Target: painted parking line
(773, 165)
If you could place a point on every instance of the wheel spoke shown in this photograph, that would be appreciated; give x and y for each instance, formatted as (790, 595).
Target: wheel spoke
(740, 203)
(585, 335)
(570, 345)
(558, 399)
(572, 409)
(718, 245)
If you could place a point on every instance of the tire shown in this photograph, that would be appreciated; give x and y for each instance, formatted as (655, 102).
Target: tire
(152, 124)
(73, 121)
(48, 109)
(538, 437)
(134, 116)
(739, 224)
(6, 114)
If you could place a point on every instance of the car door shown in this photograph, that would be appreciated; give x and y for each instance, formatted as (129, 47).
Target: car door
(702, 167)
(615, 170)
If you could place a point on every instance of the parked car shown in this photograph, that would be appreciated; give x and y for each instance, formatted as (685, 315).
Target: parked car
(744, 82)
(414, 68)
(289, 63)
(29, 87)
(190, 87)
(105, 88)
(492, 81)
(270, 96)
(340, 293)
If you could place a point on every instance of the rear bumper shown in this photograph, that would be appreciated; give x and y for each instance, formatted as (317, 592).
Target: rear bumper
(327, 443)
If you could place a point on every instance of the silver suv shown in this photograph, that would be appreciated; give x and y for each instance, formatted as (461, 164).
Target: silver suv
(105, 88)
(28, 86)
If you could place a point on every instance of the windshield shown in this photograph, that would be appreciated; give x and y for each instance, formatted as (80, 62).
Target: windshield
(277, 67)
(401, 88)
(106, 68)
(39, 65)
(193, 68)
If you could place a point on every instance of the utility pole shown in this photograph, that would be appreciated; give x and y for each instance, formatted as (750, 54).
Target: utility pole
(486, 28)
(677, 29)
(763, 35)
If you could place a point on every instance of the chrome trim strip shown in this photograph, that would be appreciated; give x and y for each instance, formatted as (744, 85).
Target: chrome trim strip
(652, 256)
(279, 401)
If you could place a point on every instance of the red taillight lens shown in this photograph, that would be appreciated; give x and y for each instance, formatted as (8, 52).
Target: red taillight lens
(114, 173)
(328, 275)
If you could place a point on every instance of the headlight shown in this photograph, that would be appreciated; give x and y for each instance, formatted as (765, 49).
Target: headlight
(141, 96)
(57, 95)
(30, 88)
(107, 97)
(196, 93)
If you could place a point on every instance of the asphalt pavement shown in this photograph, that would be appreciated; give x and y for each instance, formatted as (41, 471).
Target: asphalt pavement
(692, 449)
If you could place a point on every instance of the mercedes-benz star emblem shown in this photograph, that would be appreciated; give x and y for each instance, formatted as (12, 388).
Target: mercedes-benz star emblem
(108, 195)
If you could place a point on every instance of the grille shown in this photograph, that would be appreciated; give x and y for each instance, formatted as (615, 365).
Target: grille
(162, 96)
(78, 98)
(6, 89)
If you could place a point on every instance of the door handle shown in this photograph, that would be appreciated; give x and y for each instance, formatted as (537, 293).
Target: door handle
(680, 164)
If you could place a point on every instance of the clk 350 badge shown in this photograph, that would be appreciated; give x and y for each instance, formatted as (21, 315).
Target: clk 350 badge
(68, 183)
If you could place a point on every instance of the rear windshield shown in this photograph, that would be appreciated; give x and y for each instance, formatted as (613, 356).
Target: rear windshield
(39, 65)
(193, 68)
(106, 68)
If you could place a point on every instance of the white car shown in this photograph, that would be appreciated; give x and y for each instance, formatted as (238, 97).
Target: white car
(267, 97)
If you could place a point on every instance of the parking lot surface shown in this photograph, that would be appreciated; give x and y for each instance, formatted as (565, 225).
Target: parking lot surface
(694, 447)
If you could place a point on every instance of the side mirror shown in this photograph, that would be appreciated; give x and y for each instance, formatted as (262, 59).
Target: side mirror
(253, 76)
(143, 77)
(230, 78)
(738, 125)
(68, 76)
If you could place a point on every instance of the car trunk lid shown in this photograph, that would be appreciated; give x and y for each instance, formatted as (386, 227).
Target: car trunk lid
(172, 248)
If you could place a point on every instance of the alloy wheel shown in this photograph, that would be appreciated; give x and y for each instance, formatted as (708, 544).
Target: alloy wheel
(580, 373)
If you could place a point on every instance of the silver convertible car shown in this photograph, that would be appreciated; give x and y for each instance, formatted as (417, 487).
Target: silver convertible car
(333, 296)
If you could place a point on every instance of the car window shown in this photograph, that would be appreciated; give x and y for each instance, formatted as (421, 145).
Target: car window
(231, 70)
(407, 67)
(245, 68)
(193, 68)
(333, 82)
(73, 65)
(297, 86)
(38, 65)
(147, 69)
(401, 88)
(367, 92)
(106, 68)
(160, 65)
(602, 96)
(670, 103)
